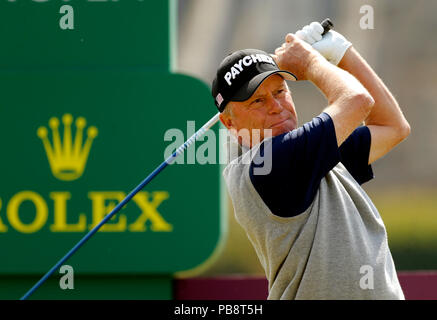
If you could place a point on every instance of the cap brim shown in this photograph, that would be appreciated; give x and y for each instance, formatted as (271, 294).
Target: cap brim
(249, 88)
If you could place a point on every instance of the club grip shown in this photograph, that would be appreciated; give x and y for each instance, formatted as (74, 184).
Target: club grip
(327, 25)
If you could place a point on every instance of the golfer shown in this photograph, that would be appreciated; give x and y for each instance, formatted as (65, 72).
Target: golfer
(316, 232)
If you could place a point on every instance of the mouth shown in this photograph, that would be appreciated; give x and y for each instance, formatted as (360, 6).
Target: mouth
(279, 123)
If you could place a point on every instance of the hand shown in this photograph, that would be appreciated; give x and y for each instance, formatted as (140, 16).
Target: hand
(332, 45)
(295, 56)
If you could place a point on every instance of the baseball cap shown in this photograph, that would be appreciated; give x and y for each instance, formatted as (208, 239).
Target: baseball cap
(241, 73)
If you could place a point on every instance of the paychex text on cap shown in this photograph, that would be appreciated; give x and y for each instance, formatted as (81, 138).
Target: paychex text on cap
(245, 62)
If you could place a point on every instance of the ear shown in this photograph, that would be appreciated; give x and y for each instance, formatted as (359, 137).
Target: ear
(226, 120)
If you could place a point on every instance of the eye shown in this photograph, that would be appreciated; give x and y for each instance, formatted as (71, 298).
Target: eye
(279, 92)
(256, 101)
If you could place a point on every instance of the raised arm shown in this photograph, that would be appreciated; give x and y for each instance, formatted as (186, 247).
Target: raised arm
(349, 102)
(386, 122)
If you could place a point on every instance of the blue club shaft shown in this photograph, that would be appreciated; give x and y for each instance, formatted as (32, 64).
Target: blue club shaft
(161, 167)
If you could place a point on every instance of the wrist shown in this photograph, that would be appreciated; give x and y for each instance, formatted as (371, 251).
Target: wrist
(348, 58)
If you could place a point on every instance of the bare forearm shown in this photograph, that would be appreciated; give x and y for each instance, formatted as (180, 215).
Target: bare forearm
(336, 84)
(386, 122)
(386, 111)
(349, 101)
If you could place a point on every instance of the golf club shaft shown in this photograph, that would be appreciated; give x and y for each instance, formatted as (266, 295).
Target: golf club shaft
(168, 161)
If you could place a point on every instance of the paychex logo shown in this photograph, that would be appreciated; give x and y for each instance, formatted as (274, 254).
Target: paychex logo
(68, 154)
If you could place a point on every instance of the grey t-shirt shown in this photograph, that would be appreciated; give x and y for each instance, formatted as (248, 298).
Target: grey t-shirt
(332, 246)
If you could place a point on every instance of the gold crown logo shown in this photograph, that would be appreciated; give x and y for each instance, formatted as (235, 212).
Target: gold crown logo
(67, 158)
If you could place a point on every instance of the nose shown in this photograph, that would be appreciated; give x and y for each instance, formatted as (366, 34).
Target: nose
(274, 105)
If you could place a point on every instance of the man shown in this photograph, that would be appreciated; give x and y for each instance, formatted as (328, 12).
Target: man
(315, 231)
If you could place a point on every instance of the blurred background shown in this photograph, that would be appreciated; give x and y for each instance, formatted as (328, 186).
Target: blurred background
(400, 48)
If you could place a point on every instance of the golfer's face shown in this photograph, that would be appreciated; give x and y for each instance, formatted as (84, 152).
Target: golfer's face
(270, 107)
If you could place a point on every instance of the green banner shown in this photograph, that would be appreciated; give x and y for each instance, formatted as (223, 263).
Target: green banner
(83, 115)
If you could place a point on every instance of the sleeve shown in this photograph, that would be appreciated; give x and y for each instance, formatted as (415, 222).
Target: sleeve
(299, 160)
(354, 154)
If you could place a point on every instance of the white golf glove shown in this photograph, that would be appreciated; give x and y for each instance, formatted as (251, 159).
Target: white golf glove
(332, 45)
